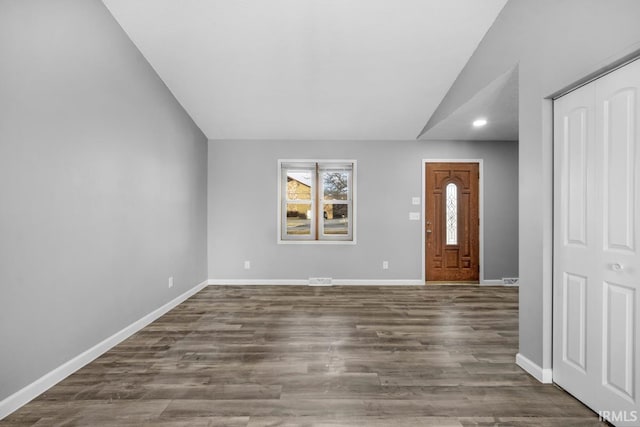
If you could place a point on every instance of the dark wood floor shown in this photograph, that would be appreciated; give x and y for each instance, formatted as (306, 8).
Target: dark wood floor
(310, 356)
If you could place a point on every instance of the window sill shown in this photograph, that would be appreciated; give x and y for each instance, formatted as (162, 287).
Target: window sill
(316, 242)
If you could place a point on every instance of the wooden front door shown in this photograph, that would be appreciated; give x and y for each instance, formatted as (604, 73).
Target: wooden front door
(452, 222)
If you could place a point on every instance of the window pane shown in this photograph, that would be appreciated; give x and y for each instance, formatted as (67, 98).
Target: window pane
(336, 218)
(316, 200)
(299, 185)
(335, 185)
(452, 214)
(299, 218)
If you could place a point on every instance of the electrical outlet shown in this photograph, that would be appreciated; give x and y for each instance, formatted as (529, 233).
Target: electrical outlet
(385, 265)
(247, 265)
(415, 200)
(170, 282)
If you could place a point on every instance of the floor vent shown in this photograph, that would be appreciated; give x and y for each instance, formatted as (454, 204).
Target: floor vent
(510, 280)
(320, 281)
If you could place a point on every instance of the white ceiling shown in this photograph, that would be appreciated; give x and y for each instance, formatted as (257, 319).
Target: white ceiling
(307, 69)
(497, 103)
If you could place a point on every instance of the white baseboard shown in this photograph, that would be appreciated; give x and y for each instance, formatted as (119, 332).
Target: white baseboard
(497, 283)
(545, 376)
(491, 283)
(42, 384)
(305, 282)
(364, 282)
(236, 282)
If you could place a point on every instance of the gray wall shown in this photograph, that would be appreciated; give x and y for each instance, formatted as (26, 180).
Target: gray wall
(556, 43)
(102, 186)
(243, 207)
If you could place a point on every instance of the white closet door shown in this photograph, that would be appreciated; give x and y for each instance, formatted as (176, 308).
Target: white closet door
(596, 352)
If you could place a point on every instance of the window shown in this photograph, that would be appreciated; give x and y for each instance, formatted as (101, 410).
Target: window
(316, 201)
(451, 208)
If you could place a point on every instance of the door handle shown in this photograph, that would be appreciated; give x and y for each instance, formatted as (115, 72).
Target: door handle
(617, 267)
(428, 231)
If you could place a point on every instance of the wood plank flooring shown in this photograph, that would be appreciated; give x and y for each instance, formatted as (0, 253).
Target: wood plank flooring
(316, 356)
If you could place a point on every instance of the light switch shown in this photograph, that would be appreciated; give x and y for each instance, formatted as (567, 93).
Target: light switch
(414, 216)
(415, 200)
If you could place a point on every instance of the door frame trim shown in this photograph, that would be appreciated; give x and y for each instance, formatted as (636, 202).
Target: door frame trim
(480, 211)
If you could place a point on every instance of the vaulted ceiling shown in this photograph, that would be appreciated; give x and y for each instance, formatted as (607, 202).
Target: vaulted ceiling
(307, 69)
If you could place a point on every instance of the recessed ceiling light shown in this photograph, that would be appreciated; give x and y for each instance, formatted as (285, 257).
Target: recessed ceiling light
(479, 123)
